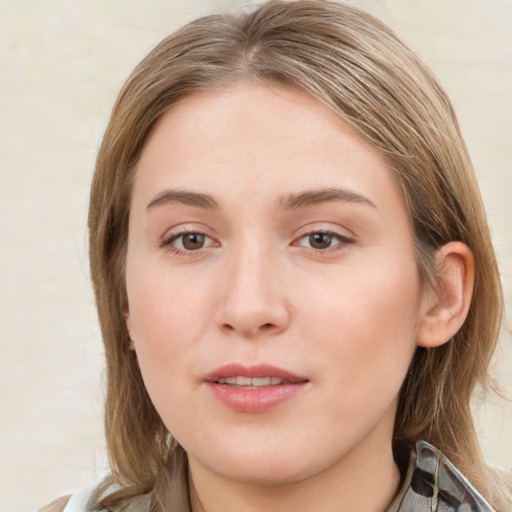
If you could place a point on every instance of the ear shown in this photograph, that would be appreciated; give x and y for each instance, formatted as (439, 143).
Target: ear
(129, 327)
(445, 308)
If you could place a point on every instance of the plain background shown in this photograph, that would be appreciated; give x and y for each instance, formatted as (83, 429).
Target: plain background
(61, 65)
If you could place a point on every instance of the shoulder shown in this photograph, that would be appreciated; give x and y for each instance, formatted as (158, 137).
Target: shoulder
(57, 505)
(87, 499)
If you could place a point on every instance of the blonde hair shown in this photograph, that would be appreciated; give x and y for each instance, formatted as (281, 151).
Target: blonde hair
(355, 65)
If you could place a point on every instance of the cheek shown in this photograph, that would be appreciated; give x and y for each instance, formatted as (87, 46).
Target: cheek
(366, 318)
(169, 318)
(168, 331)
(168, 309)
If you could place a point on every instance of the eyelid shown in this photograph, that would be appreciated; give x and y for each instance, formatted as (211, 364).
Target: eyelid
(341, 238)
(325, 227)
(172, 234)
(311, 229)
(186, 227)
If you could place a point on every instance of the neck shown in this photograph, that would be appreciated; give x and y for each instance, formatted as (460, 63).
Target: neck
(364, 480)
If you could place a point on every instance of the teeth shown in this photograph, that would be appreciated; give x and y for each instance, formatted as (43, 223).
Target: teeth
(255, 382)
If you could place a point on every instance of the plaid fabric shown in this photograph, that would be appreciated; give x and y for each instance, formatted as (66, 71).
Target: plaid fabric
(437, 486)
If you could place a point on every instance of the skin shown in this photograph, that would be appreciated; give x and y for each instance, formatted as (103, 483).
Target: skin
(347, 314)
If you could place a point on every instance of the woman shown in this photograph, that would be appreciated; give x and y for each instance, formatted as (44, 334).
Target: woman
(294, 275)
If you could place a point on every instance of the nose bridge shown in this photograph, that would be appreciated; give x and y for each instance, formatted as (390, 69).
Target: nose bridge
(253, 299)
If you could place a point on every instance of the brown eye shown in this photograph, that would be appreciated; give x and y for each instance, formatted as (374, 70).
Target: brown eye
(193, 241)
(188, 242)
(320, 240)
(324, 241)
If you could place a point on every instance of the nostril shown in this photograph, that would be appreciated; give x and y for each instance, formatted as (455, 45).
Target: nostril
(266, 328)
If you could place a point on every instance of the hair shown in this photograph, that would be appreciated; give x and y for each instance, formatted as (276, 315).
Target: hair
(357, 67)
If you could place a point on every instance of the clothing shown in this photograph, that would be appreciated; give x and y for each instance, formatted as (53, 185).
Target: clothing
(432, 484)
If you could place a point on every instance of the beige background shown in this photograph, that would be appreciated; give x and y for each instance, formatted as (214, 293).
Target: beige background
(62, 63)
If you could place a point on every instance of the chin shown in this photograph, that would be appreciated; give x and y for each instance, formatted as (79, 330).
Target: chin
(265, 474)
(265, 467)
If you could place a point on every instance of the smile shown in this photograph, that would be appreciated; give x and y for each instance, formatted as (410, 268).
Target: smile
(254, 389)
(252, 382)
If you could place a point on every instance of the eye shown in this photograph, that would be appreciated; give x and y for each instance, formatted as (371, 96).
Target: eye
(323, 240)
(188, 242)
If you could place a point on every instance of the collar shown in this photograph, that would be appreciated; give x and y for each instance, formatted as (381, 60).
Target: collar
(434, 484)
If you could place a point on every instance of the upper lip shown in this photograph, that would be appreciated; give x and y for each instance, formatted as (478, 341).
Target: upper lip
(255, 371)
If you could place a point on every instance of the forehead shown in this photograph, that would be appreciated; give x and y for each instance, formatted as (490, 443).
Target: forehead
(258, 139)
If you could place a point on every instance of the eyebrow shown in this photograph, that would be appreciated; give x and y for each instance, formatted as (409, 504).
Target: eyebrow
(184, 197)
(287, 202)
(327, 195)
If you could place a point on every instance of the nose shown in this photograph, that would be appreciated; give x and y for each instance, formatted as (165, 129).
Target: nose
(253, 303)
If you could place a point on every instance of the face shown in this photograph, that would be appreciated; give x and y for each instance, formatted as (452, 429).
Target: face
(273, 292)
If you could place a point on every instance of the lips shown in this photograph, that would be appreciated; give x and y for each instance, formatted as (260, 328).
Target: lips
(253, 382)
(254, 389)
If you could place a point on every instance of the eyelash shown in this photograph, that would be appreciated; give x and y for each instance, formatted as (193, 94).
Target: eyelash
(169, 241)
(342, 242)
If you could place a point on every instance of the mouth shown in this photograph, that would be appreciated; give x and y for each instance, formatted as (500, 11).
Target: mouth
(252, 382)
(261, 375)
(254, 389)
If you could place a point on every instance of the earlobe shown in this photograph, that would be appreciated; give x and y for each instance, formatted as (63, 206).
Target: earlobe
(129, 327)
(445, 308)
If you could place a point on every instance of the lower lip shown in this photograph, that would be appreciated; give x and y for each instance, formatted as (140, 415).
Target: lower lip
(255, 400)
